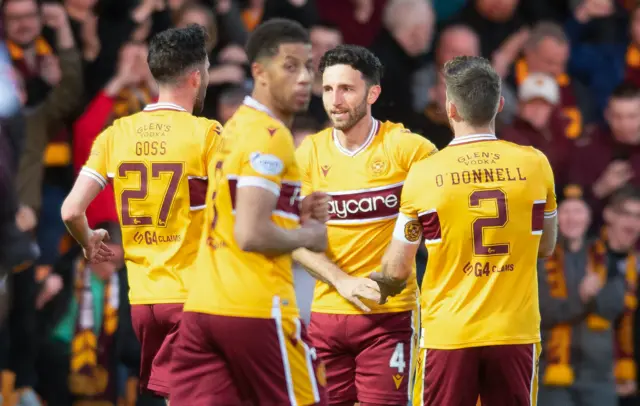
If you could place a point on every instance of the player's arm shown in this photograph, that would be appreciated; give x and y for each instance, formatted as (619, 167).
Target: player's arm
(90, 182)
(398, 259)
(259, 190)
(317, 264)
(550, 225)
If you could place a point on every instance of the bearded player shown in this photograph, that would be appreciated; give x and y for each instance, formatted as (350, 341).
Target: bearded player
(362, 164)
(157, 160)
(241, 339)
(487, 211)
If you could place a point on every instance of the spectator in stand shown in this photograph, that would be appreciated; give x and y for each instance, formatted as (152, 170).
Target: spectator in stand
(434, 123)
(79, 328)
(495, 21)
(582, 295)
(547, 51)
(603, 66)
(609, 156)
(407, 35)
(126, 93)
(359, 21)
(455, 40)
(539, 95)
(324, 37)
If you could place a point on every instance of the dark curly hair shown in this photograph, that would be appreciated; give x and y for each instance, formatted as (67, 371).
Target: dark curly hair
(266, 39)
(174, 52)
(359, 58)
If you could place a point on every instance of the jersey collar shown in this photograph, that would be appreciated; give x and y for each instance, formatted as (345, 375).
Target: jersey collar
(372, 133)
(163, 106)
(466, 139)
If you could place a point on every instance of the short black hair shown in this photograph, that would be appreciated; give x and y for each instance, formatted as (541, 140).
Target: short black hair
(359, 58)
(623, 195)
(175, 51)
(625, 90)
(266, 39)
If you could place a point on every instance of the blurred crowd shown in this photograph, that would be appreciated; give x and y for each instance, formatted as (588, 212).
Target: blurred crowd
(68, 68)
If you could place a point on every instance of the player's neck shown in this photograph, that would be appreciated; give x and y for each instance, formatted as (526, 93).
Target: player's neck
(268, 102)
(176, 97)
(356, 136)
(463, 130)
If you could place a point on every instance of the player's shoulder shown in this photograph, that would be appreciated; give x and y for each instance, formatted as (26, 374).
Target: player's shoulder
(255, 125)
(208, 125)
(398, 135)
(522, 153)
(317, 140)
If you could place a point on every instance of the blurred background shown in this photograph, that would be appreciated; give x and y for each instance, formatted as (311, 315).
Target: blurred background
(570, 69)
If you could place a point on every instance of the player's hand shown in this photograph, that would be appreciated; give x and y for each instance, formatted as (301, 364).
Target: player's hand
(54, 15)
(315, 206)
(353, 289)
(626, 388)
(96, 250)
(589, 286)
(315, 237)
(616, 175)
(388, 288)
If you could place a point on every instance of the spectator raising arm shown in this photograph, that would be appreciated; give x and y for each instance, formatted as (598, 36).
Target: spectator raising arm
(48, 117)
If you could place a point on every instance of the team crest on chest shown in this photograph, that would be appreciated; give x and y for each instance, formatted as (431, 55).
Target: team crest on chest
(378, 167)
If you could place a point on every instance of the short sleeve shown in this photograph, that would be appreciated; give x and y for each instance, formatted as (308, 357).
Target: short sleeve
(96, 165)
(550, 207)
(303, 159)
(411, 148)
(407, 228)
(267, 160)
(212, 142)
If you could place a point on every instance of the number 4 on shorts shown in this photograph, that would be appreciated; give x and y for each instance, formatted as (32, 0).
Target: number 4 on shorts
(397, 358)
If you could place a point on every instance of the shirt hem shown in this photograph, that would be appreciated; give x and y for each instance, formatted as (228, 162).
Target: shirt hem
(158, 301)
(486, 343)
(360, 312)
(249, 313)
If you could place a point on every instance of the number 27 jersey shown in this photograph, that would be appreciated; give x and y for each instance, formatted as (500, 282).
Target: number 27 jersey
(481, 204)
(156, 160)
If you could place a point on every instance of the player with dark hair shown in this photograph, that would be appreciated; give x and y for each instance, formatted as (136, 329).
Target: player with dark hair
(487, 211)
(157, 161)
(368, 348)
(241, 339)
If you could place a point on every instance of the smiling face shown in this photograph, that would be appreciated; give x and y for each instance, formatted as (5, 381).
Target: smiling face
(288, 76)
(347, 97)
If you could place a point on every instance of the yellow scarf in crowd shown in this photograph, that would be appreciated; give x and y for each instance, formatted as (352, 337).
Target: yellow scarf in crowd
(559, 371)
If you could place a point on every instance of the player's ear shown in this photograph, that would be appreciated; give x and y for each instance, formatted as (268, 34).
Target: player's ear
(258, 72)
(373, 94)
(452, 111)
(500, 104)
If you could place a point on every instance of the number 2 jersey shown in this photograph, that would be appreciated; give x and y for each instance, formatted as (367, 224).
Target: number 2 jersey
(480, 204)
(257, 151)
(365, 187)
(157, 161)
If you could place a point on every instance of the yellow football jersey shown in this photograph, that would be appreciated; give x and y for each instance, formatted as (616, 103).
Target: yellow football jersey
(365, 187)
(257, 150)
(157, 160)
(480, 204)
